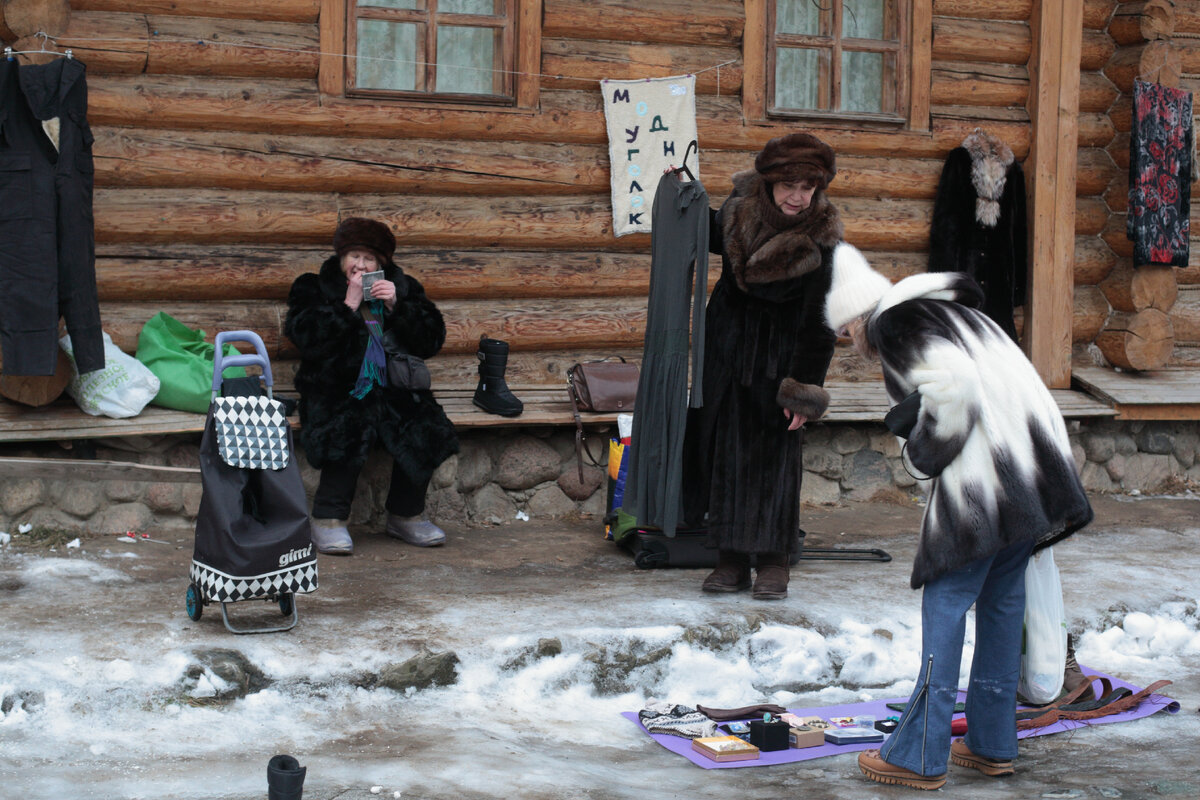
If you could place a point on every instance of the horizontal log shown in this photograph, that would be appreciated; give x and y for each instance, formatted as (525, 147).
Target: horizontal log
(1091, 216)
(530, 325)
(22, 18)
(957, 39)
(233, 272)
(1117, 194)
(1158, 61)
(1089, 310)
(278, 10)
(1097, 13)
(1140, 341)
(1133, 23)
(1011, 10)
(1095, 171)
(294, 108)
(1189, 56)
(967, 83)
(176, 159)
(1190, 275)
(1096, 48)
(1114, 236)
(717, 22)
(576, 63)
(1093, 260)
(1096, 92)
(1131, 289)
(1095, 130)
(1187, 16)
(1119, 150)
(108, 42)
(1185, 316)
(1121, 113)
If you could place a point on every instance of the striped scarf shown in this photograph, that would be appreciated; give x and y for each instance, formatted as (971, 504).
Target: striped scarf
(373, 371)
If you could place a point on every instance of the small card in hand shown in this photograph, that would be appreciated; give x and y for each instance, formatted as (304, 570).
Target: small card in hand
(369, 278)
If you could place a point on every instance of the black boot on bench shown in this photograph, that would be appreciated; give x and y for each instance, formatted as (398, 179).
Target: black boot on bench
(492, 394)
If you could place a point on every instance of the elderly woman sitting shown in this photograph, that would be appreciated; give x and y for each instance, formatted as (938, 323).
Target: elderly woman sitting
(346, 405)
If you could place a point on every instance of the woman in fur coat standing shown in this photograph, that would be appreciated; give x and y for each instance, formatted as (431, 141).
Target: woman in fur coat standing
(767, 350)
(989, 434)
(346, 405)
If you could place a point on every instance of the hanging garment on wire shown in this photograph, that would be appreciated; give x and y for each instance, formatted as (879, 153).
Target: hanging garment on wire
(979, 224)
(48, 257)
(678, 284)
(1160, 170)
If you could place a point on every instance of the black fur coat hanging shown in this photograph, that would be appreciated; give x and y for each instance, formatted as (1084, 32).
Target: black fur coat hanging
(979, 224)
(332, 339)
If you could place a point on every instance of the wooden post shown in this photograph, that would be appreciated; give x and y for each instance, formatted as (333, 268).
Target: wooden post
(1057, 31)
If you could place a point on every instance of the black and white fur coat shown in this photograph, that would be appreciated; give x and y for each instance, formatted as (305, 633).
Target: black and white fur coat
(339, 428)
(988, 431)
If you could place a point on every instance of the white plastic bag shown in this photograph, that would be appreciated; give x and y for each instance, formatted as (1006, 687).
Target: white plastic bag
(122, 389)
(1044, 653)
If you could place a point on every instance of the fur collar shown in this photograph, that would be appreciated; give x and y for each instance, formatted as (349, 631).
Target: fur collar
(990, 160)
(765, 245)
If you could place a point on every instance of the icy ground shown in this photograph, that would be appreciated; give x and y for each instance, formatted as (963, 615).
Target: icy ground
(102, 693)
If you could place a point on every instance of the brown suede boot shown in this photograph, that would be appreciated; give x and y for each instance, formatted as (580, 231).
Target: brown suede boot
(1073, 676)
(731, 575)
(772, 580)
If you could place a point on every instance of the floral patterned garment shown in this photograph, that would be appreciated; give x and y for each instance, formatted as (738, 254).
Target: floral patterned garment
(1160, 166)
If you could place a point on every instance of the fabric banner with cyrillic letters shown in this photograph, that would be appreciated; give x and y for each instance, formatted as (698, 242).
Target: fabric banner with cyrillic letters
(650, 122)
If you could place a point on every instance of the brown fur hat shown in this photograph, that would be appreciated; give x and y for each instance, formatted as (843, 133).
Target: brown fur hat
(362, 232)
(795, 157)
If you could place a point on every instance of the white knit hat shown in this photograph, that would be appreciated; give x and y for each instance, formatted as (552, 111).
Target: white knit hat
(856, 288)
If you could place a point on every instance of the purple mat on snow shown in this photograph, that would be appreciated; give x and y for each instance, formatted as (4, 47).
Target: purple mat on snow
(879, 710)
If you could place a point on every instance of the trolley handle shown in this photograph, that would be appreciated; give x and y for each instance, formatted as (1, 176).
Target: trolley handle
(222, 362)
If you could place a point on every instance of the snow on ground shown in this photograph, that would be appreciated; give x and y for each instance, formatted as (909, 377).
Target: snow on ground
(97, 701)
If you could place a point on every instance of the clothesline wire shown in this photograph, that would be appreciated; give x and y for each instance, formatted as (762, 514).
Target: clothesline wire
(250, 46)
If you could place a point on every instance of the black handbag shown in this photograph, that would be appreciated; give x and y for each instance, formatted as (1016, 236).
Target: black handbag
(404, 370)
(902, 418)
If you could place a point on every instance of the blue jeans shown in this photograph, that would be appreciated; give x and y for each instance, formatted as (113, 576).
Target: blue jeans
(996, 586)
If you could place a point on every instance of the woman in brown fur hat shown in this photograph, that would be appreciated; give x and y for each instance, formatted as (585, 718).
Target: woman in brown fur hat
(766, 353)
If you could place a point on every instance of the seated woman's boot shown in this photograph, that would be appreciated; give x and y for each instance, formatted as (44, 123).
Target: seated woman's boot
(331, 536)
(771, 583)
(415, 530)
(732, 573)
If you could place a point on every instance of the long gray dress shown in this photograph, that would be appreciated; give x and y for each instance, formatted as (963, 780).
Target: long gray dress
(679, 242)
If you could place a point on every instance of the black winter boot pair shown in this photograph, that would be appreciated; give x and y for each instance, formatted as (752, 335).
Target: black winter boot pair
(285, 778)
(492, 394)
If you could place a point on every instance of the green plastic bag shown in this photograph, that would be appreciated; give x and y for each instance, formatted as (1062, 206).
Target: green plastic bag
(182, 361)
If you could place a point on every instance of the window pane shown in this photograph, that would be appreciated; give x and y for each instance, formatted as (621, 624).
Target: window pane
(407, 4)
(387, 55)
(487, 7)
(798, 16)
(797, 78)
(863, 19)
(466, 60)
(862, 82)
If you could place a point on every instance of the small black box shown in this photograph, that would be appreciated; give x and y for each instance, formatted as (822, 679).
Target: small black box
(885, 725)
(768, 736)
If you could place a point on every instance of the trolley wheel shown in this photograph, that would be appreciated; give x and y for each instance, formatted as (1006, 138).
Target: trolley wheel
(287, 603)
(195, 602)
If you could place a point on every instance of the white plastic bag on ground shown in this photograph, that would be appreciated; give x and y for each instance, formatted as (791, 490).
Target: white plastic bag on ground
(1044, 654)
(122, 389)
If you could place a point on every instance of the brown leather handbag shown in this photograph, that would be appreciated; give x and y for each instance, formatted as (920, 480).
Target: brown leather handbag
(604, 386)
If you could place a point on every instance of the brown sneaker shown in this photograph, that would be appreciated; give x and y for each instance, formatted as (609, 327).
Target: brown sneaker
(731, 575)
(960, 754)
(879, 770)
(771, 583)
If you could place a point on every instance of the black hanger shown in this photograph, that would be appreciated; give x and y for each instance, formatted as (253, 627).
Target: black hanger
(686, 154)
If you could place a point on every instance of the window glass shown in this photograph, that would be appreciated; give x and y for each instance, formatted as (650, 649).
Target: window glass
(486, 7)
(405, 4)
(392, 63)
(797, 78)
(862, 82)
(466, 60)
(798, 16)
(863, 19)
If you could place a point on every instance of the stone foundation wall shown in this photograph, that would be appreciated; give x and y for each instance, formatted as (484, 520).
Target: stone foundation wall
(502, 476)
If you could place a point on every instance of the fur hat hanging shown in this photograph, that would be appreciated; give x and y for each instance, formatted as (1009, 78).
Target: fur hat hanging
(855, 288)
(362, 232)
(797, 156)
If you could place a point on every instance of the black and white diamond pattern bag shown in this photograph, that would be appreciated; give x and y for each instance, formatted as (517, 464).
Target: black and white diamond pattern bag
(251, 432)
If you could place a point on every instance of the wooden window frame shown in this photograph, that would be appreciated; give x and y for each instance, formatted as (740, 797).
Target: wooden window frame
(522, 33)
(912, 84)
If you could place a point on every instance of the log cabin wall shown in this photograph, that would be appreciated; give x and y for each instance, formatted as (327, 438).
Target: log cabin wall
(222, 169)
